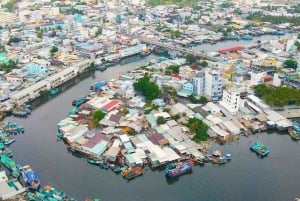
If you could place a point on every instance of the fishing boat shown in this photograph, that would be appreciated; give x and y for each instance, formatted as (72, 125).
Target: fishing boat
(228, 157)
(78, 101)
(103, 165)
(260, 149)
(19, 112)
(30, 178)
(118, 169)
(54, 91)
(93, 162)
(131, 173)
(59, 134)
(294, 134)
(9, 141)
(177, 169)
(10, 164)
(7, 151)
(246, 37)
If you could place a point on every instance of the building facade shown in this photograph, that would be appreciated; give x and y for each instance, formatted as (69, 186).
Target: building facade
(208, 83)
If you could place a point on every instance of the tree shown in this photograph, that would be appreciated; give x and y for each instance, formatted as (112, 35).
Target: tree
(149, 89)
(160, 120)
(174, 68)
(193, 99)
(40, 33)
(203, 64)
(10, 5)
(199, 128)
(203, 100)
(98, 115)
(190, 58)
(13, 40)
(53, 50)
(290, 63)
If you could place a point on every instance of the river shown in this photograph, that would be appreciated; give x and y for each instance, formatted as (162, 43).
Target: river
(246, 177)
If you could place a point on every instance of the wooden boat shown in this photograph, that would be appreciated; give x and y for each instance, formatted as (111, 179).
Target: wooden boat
(131, 173)
(294, 132)
(10, 164)
(260, 149)
(177, 169)
(93, 161)
(103, 165)
(54, 91)
(30, 178)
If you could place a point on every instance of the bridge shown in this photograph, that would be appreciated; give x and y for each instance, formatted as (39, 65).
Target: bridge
(177, 48)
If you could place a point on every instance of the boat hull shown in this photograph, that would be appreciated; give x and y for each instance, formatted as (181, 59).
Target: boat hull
(179, 169)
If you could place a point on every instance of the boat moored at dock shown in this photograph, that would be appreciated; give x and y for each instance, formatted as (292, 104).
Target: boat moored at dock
(30, 178)
(177, 169)
(131, 173)
(10, 164)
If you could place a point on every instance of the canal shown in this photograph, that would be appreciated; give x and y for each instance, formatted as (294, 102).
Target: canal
(246, 177)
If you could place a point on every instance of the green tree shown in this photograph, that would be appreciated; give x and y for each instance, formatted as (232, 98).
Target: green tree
(193, 99)
(98, 115)
(199, 128)
(203, 64)
(13, 40)
(190, 58)
(203, 99)
(160, 120)
(149, 89)
(9, 5)
(53, 50)
(174, 68)
(290, 63)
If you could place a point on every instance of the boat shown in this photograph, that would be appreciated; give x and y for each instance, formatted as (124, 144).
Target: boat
(118, 169)
(294, 132)
(228, 157)
(30, 178)
(246, 37)
(98, 85)
(260, 149)
(9, 141)
(177, 169)
(7, 151)
(10, 164)
(78, 101)
(59, 134)
(103, 165)
(54, 91)
(131, 173)
(19, 113)
(93, 162)
(219, 160)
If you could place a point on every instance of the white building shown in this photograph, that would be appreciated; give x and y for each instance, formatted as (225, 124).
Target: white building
(230, 101)
(208, 83)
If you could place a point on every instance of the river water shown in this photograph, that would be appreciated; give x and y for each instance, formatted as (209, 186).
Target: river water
(246, 177)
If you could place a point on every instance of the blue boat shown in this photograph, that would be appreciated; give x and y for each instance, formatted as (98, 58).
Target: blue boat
(30, 178)
(246, 37)
(54, 91)
(103, 165)
(260, 149)
(177, 169)
(78, 101)
(97, 86)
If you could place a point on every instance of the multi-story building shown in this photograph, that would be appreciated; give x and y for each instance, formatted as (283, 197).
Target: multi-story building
(208, 83)
(231, 101)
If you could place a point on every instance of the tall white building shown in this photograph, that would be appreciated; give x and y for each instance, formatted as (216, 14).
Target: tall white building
(208, 83)
(231, 101)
